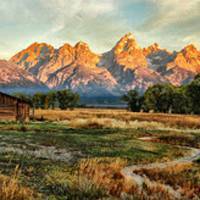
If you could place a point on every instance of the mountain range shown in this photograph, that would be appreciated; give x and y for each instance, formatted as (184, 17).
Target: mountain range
(126, 66)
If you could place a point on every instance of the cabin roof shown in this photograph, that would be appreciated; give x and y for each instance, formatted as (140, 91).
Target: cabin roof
(15, 98)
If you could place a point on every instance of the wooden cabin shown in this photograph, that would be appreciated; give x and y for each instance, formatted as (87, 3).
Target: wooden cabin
(12, 108)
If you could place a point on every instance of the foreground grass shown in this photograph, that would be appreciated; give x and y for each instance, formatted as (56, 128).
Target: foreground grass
(89, 142)
(80, 155)
(10, 189)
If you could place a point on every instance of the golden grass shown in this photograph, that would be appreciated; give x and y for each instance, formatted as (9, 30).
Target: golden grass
(10, 189)
(73, 185)
(175, 177)
(172, 169)
(106, 173)
(112, 123)
(125, 117)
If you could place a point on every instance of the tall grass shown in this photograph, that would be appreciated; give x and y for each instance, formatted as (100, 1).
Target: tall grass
(10, 189)
(112, 123)
(172, 120)
(106, 173)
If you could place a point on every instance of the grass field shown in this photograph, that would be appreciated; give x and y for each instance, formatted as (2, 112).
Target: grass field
(79, 154)
(109, 115)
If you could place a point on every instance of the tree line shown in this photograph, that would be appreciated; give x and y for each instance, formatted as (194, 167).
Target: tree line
(63, 99)
(166, 98)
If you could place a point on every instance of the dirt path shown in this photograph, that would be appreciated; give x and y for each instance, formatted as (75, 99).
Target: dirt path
(130, 174)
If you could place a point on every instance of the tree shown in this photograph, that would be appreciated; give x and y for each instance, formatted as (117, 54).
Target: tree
(36, 100)
(39, 100)
(133, 100)
(67, 99)
(180, 102)
(197, 77)
(193, 92)
(51, 99)
(158, 98)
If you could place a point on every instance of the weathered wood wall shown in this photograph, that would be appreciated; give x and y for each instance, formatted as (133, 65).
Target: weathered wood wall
(23, 111)
(12, 108)
(7, 112)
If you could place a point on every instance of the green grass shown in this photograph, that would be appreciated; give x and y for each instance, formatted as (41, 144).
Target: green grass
(81, 143)
(90, 142)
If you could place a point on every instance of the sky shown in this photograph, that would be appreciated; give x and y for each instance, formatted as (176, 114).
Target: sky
(101, 23)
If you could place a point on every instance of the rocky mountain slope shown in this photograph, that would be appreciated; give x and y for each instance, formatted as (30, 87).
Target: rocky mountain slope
(13, 78)
(173, 66)
(129, 65)
(81, 74)
(126, 66)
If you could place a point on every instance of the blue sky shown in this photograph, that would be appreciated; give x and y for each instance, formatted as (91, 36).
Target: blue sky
(171, 23)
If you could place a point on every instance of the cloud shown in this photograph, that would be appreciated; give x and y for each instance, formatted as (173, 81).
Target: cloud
(171, 12)
(172, 23)
(64, 12)
(96, 22)
(174, 20)
(58, 21)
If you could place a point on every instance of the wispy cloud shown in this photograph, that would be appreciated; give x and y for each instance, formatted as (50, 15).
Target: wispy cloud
(176, 19)
(173, 23)
(93, 21)
(172, 11)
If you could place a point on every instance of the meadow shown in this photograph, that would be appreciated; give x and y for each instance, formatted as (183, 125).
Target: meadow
(100, 154)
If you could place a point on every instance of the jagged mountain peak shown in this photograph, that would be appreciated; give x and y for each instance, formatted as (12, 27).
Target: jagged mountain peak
(34, 56)
(81, 44)
(155, 45)
(33, 51)
(81, 47)
(84, 57)
(186, 59)
(191, 56)
(66, 46)
(128, 53)
(35, 44)
(128, 36)
(38, 48)
(126, 43)
(153, 48)
(126, 66)
(66, 50)
(190, 47)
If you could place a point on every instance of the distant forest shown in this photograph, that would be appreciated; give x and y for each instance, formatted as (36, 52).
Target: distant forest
(62, 99)
(167, 98)
(164, 98)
